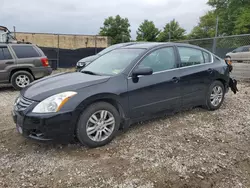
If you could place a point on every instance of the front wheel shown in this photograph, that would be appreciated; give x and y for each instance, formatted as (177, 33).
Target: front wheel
(215, 95)
(98, 125)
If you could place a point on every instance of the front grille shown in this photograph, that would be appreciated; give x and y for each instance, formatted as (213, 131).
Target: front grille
(23, 103)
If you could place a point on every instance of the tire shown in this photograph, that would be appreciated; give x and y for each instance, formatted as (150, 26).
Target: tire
(210, 103)
(28, 78)
(85, 121)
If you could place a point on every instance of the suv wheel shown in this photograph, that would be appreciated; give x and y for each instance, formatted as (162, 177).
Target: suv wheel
(98, 125)
(215, 96)
(21, 79)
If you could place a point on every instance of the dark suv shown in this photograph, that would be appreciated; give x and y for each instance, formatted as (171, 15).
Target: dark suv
(20, 64)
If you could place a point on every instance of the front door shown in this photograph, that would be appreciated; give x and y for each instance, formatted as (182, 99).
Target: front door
(6, 60)
(157, 92)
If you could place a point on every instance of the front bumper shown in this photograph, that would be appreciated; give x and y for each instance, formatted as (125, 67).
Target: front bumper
(43, 127)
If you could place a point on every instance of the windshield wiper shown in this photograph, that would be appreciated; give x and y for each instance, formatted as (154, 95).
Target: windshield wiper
(89, 72)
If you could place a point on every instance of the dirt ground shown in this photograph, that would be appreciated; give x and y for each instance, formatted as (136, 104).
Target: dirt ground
(195, 148)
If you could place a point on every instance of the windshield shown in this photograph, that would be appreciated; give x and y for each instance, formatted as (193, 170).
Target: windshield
(110, 48)
(113, 62)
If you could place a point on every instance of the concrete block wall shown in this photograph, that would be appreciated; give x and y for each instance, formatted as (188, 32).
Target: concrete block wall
(64, 41)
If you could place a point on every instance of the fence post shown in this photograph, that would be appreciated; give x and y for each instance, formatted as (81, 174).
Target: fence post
(95, 44)
(58, 51)
(14, 27)
(214, 45)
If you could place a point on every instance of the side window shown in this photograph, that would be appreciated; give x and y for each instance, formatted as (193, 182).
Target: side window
(246, 49)
(5, 53)
(160, 60)
(207, 57)
(238, 50)
(25, 51)
(190, 56)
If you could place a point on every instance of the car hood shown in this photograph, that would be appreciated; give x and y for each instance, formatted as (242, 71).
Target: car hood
(51, 85)
(89, 58)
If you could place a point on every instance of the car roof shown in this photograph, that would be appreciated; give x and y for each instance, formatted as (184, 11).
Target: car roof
(149, 45)
(130, 43)
(21, 44)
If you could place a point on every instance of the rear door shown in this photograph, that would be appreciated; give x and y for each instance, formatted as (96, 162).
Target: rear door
(237, 54)
(245, 54)
(196, 74)
(6, 62)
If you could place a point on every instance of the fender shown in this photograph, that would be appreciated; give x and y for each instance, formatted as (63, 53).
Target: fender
(120, 103)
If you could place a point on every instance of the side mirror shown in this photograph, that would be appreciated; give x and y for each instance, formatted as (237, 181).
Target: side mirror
(142, 71)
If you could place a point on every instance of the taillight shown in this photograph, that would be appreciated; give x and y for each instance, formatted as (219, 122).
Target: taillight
(45, 62)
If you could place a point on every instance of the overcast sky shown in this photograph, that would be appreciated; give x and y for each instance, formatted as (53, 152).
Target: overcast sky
(86, 17)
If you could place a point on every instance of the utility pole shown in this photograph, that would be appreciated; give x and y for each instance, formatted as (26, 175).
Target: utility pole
(122, 38)
(217, 24)
(216, 34)
(169, 33)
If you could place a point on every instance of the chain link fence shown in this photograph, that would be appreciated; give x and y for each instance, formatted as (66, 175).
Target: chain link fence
(221, 45)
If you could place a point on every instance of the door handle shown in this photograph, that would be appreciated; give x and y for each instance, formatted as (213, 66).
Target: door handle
(210, 71)
(175, 79)
(9, 63)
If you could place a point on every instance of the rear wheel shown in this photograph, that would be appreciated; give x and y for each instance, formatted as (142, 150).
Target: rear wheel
(98, 125)
(215, 95)
(21, 79)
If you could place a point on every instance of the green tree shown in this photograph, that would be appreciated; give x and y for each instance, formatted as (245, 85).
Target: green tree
(117, 28)
(242, 24)
(205, 28)
(147, 32)
(231, 15)
(234, 16)
(176, 32)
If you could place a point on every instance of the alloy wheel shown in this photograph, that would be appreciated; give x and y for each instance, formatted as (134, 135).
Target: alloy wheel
(216, 95)
(22, 80)
(100, 125)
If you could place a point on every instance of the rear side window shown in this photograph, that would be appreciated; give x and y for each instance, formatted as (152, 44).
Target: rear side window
(5, 53)
(238, 50)
(25, 51)
(190, 56)
(207, 57)
(246, 49)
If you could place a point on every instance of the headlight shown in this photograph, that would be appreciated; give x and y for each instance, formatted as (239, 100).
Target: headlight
(80, 64)
(53, 103)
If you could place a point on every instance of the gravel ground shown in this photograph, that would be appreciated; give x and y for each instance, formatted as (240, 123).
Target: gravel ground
(195, 148)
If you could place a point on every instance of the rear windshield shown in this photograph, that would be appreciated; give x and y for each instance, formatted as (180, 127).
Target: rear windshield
(25, 51)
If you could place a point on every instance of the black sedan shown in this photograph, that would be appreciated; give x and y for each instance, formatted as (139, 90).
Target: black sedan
(126, 85)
